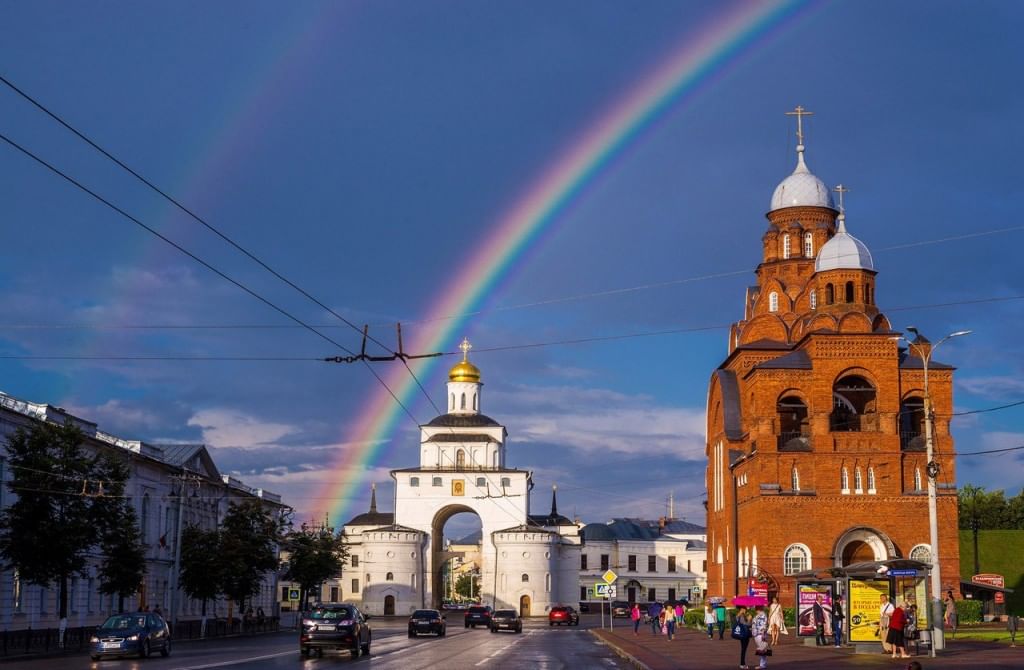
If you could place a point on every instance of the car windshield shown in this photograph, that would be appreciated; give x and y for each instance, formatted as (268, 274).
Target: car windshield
(331, 614)
(477, 610)
(124, 621)
(426, 614)
(559, 609)
(505, 613)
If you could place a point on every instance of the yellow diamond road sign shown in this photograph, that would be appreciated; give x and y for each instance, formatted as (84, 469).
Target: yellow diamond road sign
(610, 577)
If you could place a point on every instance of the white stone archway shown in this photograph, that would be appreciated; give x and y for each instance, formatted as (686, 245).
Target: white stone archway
(855, 545)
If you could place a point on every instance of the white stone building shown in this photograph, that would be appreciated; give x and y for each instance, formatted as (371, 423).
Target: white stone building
(396, 560)
(654, 560)
(155, 492)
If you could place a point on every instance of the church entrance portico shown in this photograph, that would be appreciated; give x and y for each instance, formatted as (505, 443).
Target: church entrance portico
(861, 545)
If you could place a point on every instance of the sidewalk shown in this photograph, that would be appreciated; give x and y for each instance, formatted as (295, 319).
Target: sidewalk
(693, 649)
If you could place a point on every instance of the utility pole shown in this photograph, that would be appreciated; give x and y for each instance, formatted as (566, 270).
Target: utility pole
(186, 478)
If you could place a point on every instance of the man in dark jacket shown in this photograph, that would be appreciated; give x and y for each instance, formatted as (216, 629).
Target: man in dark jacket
(654, 609)
(819, 622)
(837, 621)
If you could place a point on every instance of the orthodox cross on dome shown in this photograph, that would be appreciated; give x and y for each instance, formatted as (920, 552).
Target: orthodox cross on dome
(800, 113)
(465, 346)
(841, 190)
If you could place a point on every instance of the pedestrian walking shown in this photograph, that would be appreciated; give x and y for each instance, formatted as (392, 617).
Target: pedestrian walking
(680, 613)
(776, 621)
(720, 619)
(895, 637)
(949, 615)
(837, 621)
(634, 614)
(654, 610)
(670, 621)
(709, 620)
(885, 611)
(759, 629)
(741, 632)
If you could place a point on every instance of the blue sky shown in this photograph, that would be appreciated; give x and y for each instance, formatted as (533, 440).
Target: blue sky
(364, 149)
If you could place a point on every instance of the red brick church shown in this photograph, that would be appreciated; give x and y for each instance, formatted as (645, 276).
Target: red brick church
(816, 449)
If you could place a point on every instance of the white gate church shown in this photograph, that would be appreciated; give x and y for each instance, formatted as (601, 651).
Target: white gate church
(396, 560)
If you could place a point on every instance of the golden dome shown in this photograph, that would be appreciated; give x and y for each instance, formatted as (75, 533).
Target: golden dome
(464, 371)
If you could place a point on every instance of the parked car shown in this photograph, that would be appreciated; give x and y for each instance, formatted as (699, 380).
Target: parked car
(584, 606)
(620, 608)
(131, 634)
(335, 626)
(506, 620)
(478, 615)
(427, 621)
(563, 615)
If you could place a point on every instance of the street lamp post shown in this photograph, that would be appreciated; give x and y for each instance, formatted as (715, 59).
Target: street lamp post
(932, 469)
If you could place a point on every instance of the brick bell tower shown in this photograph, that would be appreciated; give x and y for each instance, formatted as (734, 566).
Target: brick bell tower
(815, 419)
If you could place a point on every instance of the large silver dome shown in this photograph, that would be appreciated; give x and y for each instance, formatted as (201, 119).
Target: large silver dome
(801, 189)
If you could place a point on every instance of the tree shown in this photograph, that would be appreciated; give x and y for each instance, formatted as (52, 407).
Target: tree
(314, 555)
(64, 504)
(467, 585)
(123, 565)
(249, 537)
(200, 575)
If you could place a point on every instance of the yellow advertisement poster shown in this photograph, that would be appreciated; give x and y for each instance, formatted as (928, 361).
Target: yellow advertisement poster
(912, 590)
(863, 608)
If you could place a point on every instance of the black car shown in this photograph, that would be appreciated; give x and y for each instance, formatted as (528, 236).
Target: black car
(335, 626)
(478, 615)
(427, 621)
(584, 606)
(131, 634)
(506, 620)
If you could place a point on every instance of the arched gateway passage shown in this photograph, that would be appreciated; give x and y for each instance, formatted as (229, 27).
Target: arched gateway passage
(448, 566)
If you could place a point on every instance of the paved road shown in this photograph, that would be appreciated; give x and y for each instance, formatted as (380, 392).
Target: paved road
(537, 647)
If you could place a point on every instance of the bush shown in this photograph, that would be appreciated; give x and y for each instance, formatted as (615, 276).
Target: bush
(968, 611)
(694, 618)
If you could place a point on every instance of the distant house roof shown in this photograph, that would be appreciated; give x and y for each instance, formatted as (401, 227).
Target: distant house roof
(196, 455)
(463, 421)
(681, 526)
(373, 517)
(641, 529)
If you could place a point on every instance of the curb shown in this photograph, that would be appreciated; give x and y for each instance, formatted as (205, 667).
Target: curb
(619, 651)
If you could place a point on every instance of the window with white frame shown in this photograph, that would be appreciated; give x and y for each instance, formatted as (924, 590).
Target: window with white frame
(785, 246)
(917, 479)
(814, 299)
(796, 558)
(437, 481)
(921, 552)
(808, 245)
(795, 479)
(844, 480)
(858, 481)
(871, 480)
(414, 481)
(773, 302)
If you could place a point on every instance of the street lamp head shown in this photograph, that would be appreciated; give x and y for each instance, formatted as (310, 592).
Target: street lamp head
(961, 332)
(913, 330)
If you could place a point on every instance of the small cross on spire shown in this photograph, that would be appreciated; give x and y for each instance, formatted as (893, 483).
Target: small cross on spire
(465, 346)
(840, 189)
(800, 113)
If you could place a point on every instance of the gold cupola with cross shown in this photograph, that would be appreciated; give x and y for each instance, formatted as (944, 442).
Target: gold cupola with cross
(464, 384)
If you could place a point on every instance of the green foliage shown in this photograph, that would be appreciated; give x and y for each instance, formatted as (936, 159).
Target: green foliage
(999, 551)
(200, 575)
(123, 564)
(694, 617)
(249, 537)
(67, 504)
(991, 510)
(314, 555)
(968, 611)
(467, 586)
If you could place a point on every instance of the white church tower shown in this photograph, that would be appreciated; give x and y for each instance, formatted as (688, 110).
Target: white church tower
(528, 562)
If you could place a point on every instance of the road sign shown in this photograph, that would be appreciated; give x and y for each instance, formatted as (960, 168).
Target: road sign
(293, 594)
(601, 589)
(903, 572)
(609, 577)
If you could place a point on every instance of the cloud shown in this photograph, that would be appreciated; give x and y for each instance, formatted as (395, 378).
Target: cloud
(233, 428)
(993, 471)
(998, 387)
(598, 421)
(117, 413)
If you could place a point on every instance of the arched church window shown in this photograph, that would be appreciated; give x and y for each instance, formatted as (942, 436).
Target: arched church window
(525, 577)
(912, 424)
(773, 302)
(849, 291)
(505, 482)
(474, 403)
(830, 294)
(793, 422)
(921, 552)
(853, 405)
(814, 299)
(452, 406)
(808, 245)
(414, 481)
(785, 246)
(547, 582)
(437, 481)
(917, 479)
(390, 577)
(460, 459)
(794, 477)
(463, 401)
(144, 519)
(858, 481)
(871, 480)
(844, 480)
(481, 482)
(796, 558)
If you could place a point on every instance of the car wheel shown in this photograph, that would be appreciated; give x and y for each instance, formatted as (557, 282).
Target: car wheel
(95, 657)
(412, 634)
(366, 647)
(550, 624)
(494, 630)
(166, 651)
(355, 651)
(144, 650)
(442, 633)
(304, 652)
